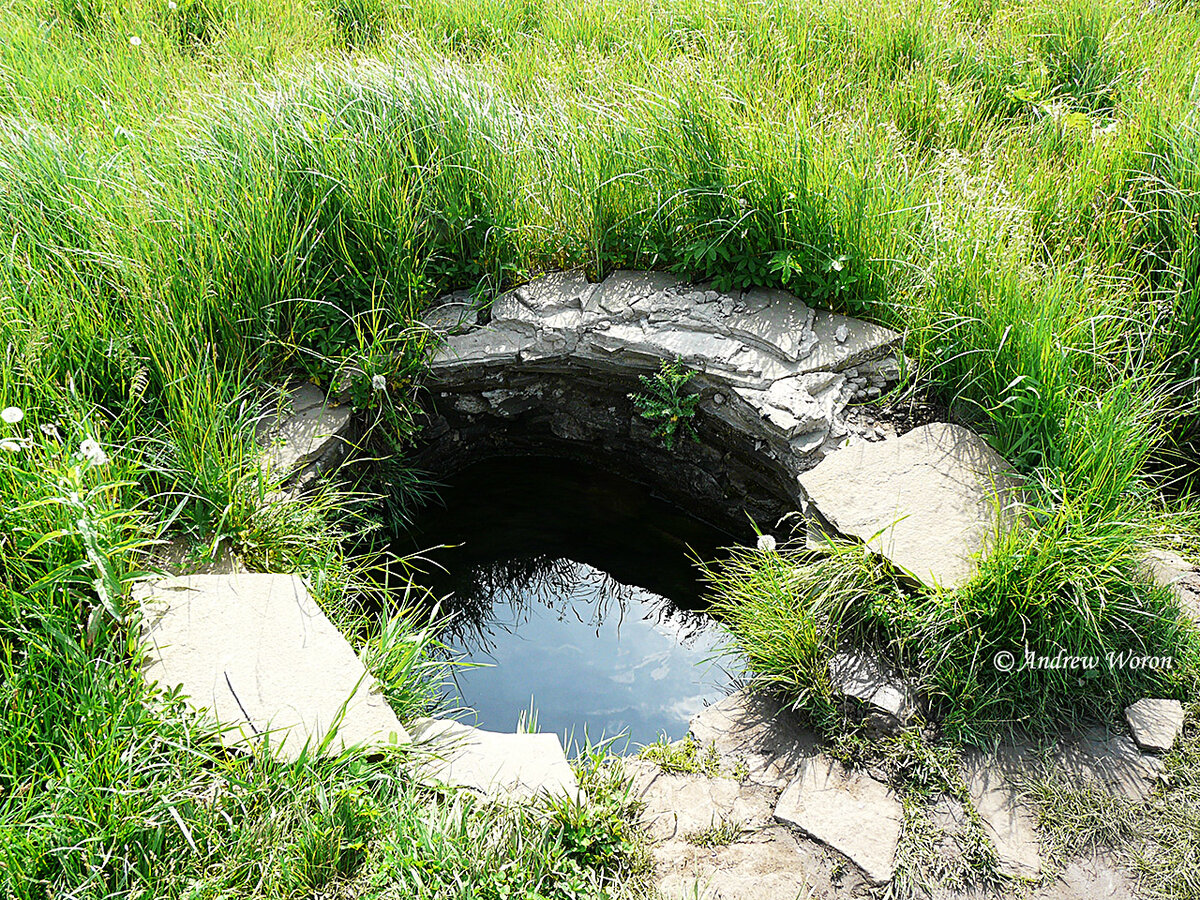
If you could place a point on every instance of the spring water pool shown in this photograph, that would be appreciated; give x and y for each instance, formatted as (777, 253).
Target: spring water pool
(575, 593)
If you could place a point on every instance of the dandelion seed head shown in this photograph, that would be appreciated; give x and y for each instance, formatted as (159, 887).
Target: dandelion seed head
(12, 415)
(378, 383)
(93, 452)
(10, 446)
(135, 41)
(766, 543)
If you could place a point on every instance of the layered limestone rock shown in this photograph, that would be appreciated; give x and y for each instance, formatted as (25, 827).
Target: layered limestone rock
(552, 368)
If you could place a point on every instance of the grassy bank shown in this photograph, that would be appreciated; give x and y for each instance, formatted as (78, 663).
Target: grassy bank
(201, 196)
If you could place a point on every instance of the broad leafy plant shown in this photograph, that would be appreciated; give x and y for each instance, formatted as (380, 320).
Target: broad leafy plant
(665, 404)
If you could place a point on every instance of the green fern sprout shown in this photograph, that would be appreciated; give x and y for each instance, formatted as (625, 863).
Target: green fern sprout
(665, 404)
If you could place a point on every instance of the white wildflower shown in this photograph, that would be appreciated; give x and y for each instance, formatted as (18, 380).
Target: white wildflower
(766, 543)
(12, 415)
(135, 41)
(378, 383)
(172, 5)
(93, 452)
(11, 446)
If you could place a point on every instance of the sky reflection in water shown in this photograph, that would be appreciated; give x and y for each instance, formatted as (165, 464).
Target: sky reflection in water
(577, 589)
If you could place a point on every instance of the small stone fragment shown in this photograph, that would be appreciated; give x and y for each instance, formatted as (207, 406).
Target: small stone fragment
(1155, 723)
(842, 333)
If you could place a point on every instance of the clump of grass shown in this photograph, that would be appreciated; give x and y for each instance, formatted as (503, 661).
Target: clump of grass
(719, 835)
(683, 757)
(788, 610)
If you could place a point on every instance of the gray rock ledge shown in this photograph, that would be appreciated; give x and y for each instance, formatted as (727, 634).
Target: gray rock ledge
(552, 368)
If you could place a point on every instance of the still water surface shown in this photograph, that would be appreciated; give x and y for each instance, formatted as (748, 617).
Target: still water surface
(576, 591)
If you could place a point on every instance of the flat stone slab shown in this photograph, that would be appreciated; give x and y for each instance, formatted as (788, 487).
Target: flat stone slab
(306, 428)
(256, 653)
(499, 766)
(1097, 876)
(679, 806)
(768, 865)
(1155, 723)
(759, 733)
(849, 811)
(864, 678)
(1009, 821)
(926, 500)
(1111, 762)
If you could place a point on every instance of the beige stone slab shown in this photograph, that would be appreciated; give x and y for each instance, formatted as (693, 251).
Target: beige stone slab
(758, 732)
(849, 811)
(928, 500)
(257, 654)
(500, 766)
(771, 864)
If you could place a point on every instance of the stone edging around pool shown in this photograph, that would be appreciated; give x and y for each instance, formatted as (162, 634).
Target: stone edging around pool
(783, 406)
(550, 369)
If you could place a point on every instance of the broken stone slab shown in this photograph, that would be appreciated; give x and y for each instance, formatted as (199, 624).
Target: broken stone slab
(499, 766)
(993, 782)
(1155, 723)
(799, 404)
(849, 811)
(256, 653)
(681, 805)
(768, 865)
(930, 500)
(758, 732)
(866, 679)
(308, 430)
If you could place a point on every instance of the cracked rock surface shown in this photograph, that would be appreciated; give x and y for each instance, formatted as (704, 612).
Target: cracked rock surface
(783, 369)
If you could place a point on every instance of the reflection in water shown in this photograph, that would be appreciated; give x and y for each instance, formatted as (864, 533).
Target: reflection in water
(574, 592)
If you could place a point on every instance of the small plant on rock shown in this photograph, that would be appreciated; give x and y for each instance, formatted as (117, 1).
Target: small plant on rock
(665, 404)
